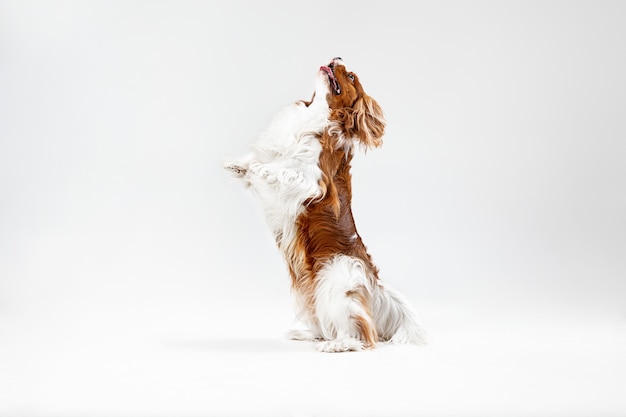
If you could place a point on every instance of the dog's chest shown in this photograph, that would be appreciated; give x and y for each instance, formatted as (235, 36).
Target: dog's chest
(285, 169)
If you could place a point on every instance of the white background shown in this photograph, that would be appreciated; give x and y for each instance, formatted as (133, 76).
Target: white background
(137, 279)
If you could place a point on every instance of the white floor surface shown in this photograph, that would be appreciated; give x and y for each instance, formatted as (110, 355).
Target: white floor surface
(80, 367)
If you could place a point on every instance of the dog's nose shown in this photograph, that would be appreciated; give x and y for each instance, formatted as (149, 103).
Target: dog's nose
(332, 61)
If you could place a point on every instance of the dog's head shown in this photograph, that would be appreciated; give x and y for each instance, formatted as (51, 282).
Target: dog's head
(354, 115)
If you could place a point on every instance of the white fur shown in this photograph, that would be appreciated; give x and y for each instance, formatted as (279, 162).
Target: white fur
(396, 320)
(336, 307)
(282, 169)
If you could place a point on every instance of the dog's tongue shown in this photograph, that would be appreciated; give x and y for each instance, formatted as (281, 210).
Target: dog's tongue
(331, 77)
(328, 71)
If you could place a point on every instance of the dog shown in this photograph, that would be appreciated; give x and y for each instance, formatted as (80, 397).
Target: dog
(300, 171)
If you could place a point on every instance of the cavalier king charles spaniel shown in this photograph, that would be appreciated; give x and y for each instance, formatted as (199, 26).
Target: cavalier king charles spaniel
(300, 171)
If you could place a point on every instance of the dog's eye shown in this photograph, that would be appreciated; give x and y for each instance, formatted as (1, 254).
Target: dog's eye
(351, 76)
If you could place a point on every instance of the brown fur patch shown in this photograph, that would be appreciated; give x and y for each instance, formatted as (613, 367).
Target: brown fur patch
(326, 228)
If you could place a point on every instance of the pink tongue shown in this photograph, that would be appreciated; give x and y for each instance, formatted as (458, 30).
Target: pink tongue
(331, 77)
(328, 71)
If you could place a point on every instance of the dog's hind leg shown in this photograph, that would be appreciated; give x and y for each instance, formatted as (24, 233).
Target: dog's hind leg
(342, 306)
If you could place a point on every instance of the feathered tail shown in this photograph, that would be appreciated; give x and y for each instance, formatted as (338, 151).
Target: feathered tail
(396, 320)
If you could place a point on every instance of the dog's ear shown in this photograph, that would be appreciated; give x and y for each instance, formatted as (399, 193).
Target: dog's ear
(368, 122)
(364, 122)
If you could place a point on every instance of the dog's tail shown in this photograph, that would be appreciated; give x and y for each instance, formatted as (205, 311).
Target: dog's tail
(396, 320)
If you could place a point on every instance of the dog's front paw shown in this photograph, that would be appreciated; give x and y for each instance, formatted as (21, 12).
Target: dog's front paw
(264, 171)
(236, 168)
(290, 177)
(341, 345)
